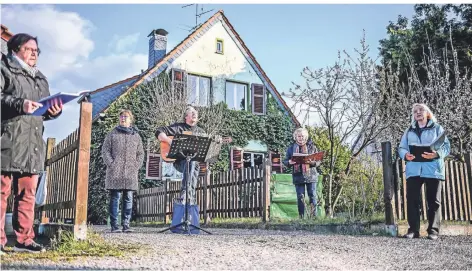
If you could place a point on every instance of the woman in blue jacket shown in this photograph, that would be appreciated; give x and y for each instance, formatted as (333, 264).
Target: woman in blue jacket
(424, 129)
(303, 175)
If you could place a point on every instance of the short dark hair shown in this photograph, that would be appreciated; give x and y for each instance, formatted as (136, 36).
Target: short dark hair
(14, 43)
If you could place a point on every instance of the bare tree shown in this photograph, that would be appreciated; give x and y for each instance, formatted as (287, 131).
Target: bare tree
(363, 192)
(162, 101)
(446, 90)
(346, 98)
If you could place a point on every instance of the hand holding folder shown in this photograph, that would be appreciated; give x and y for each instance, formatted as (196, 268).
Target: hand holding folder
(419, 150)
(300, 158)
(56, 99)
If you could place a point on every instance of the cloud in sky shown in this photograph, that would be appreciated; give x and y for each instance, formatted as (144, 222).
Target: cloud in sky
(122, 44)
(66, 46)
(62, 36)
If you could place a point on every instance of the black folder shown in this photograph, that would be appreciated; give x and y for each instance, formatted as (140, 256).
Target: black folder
(418, 150)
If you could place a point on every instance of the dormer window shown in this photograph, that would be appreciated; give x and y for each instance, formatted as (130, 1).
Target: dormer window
(219, 46)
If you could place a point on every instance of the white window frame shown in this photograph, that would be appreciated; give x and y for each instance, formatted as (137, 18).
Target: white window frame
(197, 90)
(221, 50)
(252, 156)
(234, 93)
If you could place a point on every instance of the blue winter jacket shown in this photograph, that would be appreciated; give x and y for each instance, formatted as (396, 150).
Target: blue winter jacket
(433, 169)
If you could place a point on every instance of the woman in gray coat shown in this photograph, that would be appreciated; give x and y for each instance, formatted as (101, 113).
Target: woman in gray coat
(123, 155)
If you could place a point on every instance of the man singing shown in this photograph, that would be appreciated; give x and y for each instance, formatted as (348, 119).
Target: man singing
(190, 124)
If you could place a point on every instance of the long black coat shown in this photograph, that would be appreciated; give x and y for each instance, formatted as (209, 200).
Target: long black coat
(23, 147)
(123, 155)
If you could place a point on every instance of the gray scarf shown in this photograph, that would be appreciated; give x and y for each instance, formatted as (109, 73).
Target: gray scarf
(31, 70)
(127, 130)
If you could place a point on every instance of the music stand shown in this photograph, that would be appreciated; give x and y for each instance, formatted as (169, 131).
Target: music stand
(191, 148)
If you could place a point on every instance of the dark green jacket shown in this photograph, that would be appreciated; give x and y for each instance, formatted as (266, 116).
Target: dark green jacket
(22, 144)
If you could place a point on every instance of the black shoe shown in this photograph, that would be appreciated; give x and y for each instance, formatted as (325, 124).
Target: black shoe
(127, 229)
(433, 236)
(32, 248)
(411, 235)
(115, 230)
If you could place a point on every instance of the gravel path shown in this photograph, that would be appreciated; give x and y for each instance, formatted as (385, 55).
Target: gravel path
(236, 249)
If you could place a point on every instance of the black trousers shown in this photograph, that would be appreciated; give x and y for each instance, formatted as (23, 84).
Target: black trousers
(433, 198)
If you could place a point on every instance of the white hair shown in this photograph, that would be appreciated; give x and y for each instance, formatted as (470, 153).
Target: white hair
(302, 131)
(426, 108)
(188, 110)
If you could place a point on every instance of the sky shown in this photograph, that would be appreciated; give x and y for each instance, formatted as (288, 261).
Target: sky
(87, 46)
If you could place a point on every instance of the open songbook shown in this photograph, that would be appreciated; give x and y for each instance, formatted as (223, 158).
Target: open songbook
(302, 158)
(57, 99)
(418, 149)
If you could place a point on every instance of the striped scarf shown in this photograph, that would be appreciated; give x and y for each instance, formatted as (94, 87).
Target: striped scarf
(304, 168)
(31, 70)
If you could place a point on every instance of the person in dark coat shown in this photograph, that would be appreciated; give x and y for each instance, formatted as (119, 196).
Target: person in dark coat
(189, 125)
(304, 175)
(123, 154)
(22, 146)
(424, 129)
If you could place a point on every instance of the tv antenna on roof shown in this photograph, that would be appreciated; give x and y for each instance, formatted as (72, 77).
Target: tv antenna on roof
(197, 15)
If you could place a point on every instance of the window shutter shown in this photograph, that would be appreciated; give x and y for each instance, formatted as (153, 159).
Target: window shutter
(203, 169)
(258, 99)
(276, 162)
(236, 158)
(179, 83)
(153, 166)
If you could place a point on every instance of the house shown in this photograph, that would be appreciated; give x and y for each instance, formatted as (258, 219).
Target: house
(215, 65)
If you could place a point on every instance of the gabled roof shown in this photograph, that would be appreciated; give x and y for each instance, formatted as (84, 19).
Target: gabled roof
(103, 97)
(169, 58)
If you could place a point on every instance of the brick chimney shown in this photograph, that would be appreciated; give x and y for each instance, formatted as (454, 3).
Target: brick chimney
(157, 46)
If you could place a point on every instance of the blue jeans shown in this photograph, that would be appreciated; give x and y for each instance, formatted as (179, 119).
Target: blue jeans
(311, 190)
(125, 210)
(193, 181)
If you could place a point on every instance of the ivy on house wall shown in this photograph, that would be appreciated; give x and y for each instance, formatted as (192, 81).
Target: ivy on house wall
(274, 129)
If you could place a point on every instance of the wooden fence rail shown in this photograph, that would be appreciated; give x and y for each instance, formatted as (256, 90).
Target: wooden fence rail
(67, 167)
(236, 193)
(456, 194)
(67, 171)
(456, 201)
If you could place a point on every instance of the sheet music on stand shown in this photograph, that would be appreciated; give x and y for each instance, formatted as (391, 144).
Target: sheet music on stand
(189, 144)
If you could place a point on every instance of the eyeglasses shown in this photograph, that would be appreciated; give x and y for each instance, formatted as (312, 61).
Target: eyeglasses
(419, 110)
(124, 117)
(31, 50)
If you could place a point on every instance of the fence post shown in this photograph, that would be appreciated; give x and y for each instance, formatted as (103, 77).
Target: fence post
(266, 191)
(388, 187)
(206, 197)
(137, 197)
(396, 185)
(50, 145)
(166, 197)
(83, 160)
(468, 164)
